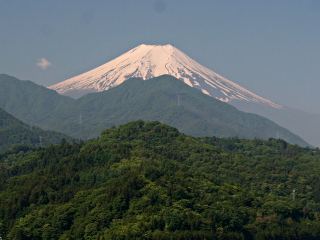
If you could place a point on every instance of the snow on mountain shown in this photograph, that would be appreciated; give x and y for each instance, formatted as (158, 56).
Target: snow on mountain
(148, 61)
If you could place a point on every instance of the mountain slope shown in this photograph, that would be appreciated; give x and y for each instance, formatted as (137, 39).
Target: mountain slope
(164, 99)
(148, 61)
(167, 100)
(15, 132)
(28, 101)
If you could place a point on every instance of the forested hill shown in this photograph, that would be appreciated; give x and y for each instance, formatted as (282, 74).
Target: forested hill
(145, 180)
(164, 98)
(15, 132)
(28, 101)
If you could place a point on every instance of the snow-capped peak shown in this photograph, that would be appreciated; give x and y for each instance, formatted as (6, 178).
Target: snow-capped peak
(148, 61)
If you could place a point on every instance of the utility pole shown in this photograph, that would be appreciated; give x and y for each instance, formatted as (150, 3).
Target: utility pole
(40, 138)
(294, 195)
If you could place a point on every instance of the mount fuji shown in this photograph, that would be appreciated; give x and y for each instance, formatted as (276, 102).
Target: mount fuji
(148, 61)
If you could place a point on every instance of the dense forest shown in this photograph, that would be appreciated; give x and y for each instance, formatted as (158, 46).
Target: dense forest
(145, 180)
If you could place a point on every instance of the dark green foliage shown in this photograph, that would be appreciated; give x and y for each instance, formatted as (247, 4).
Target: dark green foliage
(14, 132)
(145, 180)
(164, 98)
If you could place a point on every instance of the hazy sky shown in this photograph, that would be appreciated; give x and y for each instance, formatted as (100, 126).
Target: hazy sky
(270, 47)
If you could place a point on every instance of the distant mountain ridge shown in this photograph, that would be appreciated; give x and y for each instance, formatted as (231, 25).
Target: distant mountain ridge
(163, 99)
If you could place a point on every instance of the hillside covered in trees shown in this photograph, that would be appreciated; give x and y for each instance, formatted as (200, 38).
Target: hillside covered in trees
(145, 180)
(15, 132)
(164, 98)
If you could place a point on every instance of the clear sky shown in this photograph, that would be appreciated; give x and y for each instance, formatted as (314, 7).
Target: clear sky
(270, 47)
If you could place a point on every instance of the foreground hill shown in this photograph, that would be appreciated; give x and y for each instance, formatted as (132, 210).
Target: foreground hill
(15, 132)
(145, 180)
(164, 99)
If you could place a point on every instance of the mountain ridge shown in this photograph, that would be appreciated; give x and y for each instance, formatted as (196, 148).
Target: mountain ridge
(164, 98)
(172, 102)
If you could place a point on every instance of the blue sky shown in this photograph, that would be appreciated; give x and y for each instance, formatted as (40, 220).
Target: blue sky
(271, 47)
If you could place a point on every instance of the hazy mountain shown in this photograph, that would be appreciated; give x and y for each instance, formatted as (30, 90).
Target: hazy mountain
(304, 124)
(15, 132)
(148, 61)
